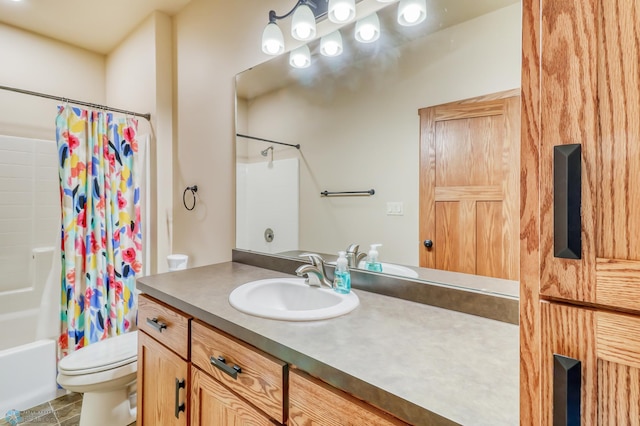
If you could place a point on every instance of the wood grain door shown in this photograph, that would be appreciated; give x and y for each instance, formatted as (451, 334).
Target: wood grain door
(469, 188)
(591, 97)
(607, 344)
(213, 404)
(161, 401)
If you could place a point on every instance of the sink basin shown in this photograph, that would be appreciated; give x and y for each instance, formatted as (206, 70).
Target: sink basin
(291, 299)
(392, 269)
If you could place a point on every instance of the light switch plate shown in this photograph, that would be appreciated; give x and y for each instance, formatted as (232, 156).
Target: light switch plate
(395, 208)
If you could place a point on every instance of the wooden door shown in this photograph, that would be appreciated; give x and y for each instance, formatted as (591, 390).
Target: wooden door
(592, 98)
(607, 345)
(163, 391)
(213, 404)
(469, 190)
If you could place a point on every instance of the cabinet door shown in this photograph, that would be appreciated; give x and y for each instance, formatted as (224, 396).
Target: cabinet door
(313, 403)
(608, 348)
(590, 95)
(163, 389)
(212, 404)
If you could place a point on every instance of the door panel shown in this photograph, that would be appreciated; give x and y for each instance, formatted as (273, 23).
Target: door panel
(489, 239)
(469, 186)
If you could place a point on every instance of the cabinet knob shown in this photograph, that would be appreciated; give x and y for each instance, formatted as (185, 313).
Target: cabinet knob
(428, 243)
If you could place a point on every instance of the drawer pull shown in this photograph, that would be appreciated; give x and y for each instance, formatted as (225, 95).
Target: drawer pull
(221, 363)
(156, 324)
(180, 384)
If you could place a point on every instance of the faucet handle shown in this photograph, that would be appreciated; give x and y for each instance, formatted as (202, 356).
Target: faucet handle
(353, 248)
(315, 259)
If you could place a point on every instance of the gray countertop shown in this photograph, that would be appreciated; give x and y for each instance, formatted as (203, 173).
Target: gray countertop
(424, 364)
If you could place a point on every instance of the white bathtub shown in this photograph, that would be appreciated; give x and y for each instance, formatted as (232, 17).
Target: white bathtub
(28, 375)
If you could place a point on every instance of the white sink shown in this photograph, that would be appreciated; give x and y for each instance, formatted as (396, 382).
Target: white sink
(291, 299)
(392, 269)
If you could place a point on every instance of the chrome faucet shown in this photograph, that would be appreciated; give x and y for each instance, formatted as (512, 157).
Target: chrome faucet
(316, 272)
(354, 257)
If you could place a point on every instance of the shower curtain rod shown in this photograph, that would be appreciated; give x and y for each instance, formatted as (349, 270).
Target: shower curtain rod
(73, 101)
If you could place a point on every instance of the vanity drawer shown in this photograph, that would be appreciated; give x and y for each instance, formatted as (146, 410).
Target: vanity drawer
(165, 324)
(261, 379)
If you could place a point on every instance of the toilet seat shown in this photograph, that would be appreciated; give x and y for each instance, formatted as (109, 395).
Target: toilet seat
(102, 356)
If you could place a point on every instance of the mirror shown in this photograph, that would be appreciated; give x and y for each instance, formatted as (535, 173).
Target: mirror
(355, 117)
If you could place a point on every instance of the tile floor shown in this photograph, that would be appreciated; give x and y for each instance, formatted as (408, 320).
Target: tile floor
(62, 411)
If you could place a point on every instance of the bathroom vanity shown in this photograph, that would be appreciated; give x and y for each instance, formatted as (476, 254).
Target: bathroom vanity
(390, 361)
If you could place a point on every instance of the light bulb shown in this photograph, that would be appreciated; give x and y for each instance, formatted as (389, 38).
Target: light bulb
(412, 12)
(331, 44)
(303, 23)
(341, 11)
(368, 29)
(300, 57)
(272, 39)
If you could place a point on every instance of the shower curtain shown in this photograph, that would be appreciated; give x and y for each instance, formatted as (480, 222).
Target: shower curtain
(101, 242)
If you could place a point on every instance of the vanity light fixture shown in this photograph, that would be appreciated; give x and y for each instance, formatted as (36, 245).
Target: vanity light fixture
(368, 29)
(341, 11)
(331, 44)
(300, 57)
(412, 12)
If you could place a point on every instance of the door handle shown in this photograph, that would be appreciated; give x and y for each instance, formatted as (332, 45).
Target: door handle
(180, 384)
(428, 244)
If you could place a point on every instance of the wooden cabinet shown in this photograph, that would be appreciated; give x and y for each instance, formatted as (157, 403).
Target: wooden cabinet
(214, 404)
(163, 375)
(192, 373)
(312, 402)
(248, 377)
(581, 85)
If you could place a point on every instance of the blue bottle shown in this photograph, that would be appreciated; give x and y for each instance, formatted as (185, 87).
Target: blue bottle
(342, 276)
(372, 263)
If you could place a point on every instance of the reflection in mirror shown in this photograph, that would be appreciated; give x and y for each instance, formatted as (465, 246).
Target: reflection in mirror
(355, 117)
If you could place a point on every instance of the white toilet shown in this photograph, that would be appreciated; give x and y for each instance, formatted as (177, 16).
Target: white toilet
(105, 372)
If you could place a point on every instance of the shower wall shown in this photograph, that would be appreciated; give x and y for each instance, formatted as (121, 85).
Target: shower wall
(29, 218)
(267, 198)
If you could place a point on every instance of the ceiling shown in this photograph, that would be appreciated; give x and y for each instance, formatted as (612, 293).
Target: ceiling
(94, 25)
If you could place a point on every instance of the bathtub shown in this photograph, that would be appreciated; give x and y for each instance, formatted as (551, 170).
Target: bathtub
(28, 326)
(28, 375)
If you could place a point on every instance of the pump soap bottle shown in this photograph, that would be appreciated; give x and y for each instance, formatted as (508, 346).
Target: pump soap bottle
(342, 279)
(372, 263)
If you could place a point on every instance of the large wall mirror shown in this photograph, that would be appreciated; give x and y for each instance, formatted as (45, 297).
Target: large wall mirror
(356, 120)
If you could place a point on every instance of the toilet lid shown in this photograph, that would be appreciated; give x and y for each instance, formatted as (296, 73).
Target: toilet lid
(104, 355)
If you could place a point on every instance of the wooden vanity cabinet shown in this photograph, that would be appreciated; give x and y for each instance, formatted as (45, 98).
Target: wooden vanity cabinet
(312, 402)
(581, 85)
(163, 364)
(232, 380)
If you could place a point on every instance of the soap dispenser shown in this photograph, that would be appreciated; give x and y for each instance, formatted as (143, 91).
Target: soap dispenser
(342, 278)
(372, 263)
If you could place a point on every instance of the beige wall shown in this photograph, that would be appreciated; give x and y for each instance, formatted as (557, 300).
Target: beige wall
(139, 78)
(40, 64)
(214, 40)
(363, 132)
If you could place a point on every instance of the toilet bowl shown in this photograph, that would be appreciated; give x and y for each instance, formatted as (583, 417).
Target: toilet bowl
(105, 372)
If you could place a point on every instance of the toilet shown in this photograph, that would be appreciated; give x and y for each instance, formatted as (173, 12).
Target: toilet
(105, 372)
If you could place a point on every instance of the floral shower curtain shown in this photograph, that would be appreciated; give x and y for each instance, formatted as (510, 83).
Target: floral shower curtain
(101, 233)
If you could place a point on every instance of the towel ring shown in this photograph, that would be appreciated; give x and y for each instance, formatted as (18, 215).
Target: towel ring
(193, 190)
